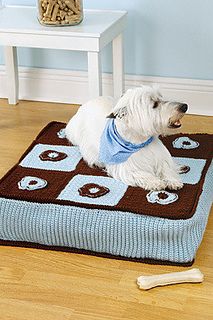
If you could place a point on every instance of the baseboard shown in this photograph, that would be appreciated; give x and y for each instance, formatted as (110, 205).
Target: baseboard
(71, 87)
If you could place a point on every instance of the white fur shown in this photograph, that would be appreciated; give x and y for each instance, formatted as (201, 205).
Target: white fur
(151, 168)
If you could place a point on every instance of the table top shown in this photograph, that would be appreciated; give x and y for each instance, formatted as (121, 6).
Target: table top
(23, 19)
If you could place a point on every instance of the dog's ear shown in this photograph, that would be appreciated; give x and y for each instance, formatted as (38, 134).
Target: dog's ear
(120, 113)
(111, 116)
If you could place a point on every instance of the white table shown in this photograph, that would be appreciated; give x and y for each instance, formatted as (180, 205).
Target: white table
(19, 27)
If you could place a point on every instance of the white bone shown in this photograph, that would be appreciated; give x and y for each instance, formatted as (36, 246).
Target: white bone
(50, 8)
(55, 12)
(148, 282)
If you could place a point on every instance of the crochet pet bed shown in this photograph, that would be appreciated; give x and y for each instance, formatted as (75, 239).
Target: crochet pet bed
(51, 199)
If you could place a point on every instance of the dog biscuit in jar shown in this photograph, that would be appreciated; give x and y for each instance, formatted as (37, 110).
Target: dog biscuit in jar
(60, 12)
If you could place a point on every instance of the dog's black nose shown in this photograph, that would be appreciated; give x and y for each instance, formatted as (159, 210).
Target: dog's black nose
(183, 107)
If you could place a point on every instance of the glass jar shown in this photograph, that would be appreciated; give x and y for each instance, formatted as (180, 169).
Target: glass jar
(60, 12)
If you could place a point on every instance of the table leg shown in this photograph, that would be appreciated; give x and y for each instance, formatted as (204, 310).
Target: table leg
(11, 73)
(94, 75)
(118, 66)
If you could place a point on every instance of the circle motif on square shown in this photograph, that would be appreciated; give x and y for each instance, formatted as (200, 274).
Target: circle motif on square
(113, 190)
(52, 155)
(185, 143)
(31, 183)
(71, 158)
(93, 190)
(161, 197)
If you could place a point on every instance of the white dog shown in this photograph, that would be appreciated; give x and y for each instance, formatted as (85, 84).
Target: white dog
(123, 138)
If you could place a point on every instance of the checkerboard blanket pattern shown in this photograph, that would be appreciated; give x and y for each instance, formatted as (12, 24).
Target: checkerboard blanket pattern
(51, 199)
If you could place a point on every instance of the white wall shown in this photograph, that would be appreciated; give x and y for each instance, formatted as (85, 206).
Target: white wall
(169, 38)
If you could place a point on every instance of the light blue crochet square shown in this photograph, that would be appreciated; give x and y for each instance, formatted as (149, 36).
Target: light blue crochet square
(117, 190)
(32, 160)
(196, 167)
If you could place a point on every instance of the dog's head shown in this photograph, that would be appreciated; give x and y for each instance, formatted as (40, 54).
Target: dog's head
(145, 112)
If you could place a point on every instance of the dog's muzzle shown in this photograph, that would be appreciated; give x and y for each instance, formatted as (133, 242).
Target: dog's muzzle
(175, 123)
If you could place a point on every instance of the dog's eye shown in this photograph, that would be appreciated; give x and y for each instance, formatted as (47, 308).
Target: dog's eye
(156, 103)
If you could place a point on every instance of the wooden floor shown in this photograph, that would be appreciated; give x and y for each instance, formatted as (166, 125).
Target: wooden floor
(43, 285)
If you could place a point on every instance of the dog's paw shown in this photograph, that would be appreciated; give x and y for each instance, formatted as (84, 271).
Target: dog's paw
(174, 184)
(154, 185)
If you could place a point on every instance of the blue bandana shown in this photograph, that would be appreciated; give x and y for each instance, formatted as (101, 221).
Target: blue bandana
(113, 148)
